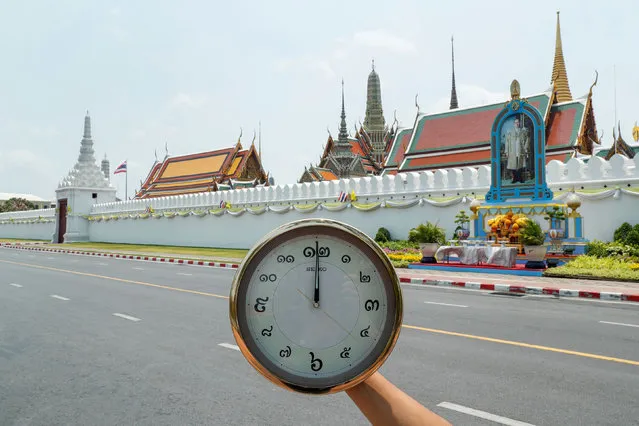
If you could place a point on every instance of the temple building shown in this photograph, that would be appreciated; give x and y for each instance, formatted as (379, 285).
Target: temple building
(461, 136)
(229, 168)
(620, 146)
(365, 152)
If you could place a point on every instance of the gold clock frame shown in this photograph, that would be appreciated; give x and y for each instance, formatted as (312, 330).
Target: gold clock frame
(362, 238)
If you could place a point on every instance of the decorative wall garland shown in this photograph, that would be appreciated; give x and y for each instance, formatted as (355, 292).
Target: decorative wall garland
(594, 195)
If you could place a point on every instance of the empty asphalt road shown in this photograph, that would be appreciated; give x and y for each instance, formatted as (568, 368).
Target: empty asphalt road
(104, 341)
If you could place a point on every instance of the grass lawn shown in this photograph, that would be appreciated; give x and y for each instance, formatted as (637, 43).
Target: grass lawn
(606, 268)
(237, 254)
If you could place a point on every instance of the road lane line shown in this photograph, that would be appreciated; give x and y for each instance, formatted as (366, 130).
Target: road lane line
(127, 317)
(184, 273)
(525, 345)
(619, 323)
(55, 296)
(16, 285)
(482, 414)
(50, 258)
(103, 264)
(229, 346)
(412, 327)
(122, 280)
(447, 304)
(138, 269)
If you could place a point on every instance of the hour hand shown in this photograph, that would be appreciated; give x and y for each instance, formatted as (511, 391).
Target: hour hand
(316, 292)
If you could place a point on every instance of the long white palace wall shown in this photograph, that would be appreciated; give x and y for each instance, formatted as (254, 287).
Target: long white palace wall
(609, 191)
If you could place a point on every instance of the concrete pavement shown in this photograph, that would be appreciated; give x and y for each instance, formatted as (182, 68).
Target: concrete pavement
(74, 362)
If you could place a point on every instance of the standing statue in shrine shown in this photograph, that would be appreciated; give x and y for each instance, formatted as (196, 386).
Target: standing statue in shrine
(517, 151)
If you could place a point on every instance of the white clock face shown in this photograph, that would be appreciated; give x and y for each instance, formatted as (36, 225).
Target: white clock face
(317, 327)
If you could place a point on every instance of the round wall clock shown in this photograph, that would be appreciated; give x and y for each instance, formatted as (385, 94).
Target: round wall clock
(316, 306)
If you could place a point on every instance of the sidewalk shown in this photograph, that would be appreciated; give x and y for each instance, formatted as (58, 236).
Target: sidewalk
(561, 287)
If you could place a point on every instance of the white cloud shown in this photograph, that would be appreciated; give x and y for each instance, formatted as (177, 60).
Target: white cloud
(382, 39)
(22, 159)
(185, 100)
(306, 63)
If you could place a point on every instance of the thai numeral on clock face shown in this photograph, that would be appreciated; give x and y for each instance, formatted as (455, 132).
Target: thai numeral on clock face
(364, 278)
(285, 259)
(371, 305)
(316, 363)
(271, 277)
(286, 352)
(346, 353)
(364, 332)
(267, 332)
(317, 250)
(260, 304)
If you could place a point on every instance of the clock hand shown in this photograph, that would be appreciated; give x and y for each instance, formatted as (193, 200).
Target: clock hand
(316, 293)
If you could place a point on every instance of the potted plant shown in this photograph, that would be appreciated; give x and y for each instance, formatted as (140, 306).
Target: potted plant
(430, 237)
(556, 216)
(533, 238)
(462, 220)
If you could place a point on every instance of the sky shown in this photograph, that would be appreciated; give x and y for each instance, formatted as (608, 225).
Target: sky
(191, 74)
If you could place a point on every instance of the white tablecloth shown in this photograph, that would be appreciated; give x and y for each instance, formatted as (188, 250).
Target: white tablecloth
(473, 255)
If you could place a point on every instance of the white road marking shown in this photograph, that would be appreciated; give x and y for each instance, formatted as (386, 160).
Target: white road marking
(127, 317)
(139, 269)
(16, 285)
(103, 264)
(482, 414)
(30, 255)
(229, 346)
(447, 304)
(55, 296)
(619, 323)
(183, 273)
(50, 258)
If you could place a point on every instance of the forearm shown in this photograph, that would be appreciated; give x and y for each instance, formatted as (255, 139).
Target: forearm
(384, 404)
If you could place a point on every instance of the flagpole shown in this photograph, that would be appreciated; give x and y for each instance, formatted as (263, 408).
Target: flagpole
(126, 181)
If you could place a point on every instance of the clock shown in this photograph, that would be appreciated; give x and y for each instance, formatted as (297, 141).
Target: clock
(316, 306)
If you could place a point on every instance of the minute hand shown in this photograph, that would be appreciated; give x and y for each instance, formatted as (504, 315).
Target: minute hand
(316, 293)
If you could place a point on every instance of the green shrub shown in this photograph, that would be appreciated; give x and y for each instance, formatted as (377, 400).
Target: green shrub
(427, 233)
(632, 239)
(622, 252)
(597, 248)
(607, 267)
(621, 233)
(532, 234)
(383, 235)
(399, 245)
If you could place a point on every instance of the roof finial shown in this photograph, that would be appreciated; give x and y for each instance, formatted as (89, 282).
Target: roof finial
(416, 104)
(259, 140)
(559, 76)
(453, 90)
(373, 65)
(87, 126)
(343, 132)
(166, 148)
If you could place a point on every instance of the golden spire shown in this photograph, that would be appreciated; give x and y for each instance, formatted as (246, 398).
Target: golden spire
(559, 75)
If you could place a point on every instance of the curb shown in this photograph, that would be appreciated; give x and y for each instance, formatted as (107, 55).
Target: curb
(519, 289)
(177, 261)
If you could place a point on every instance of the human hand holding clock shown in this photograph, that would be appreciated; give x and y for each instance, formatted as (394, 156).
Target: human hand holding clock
(313, 341)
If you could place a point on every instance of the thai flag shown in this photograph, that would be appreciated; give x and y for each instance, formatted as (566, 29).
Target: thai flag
(343, 196)
(121, 168)
(222, 204)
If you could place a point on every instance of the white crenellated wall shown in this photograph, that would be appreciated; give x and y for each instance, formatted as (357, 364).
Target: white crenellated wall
(28, 225)
(233, 229)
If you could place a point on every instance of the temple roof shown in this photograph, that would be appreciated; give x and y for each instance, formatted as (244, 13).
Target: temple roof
(398, 147)
(619, 146)
(86, 173)
(202, 172)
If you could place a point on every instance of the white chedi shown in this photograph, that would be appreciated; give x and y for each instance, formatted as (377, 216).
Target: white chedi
(86, 173)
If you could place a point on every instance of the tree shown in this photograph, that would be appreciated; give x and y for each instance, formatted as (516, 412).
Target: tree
(16, 205)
